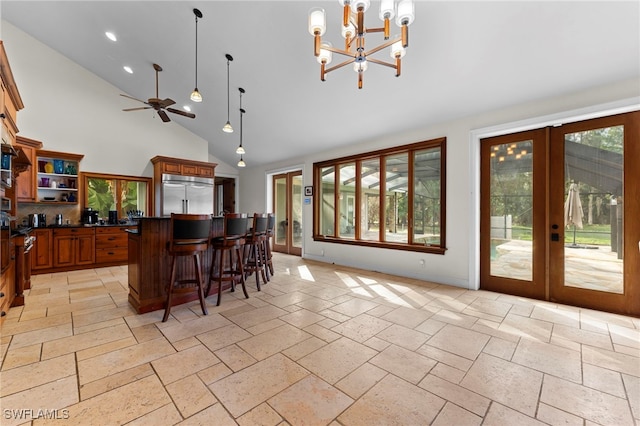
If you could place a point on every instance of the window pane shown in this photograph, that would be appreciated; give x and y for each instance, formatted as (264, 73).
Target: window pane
(347, 200)
(101, 195)
(134, 197)
(327, 201)
(370, 200)
(396, 212)
(426, 197)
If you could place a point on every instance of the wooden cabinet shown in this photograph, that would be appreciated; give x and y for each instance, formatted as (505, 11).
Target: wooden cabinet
(73, 247)
(42, 251)
(177, 166)
(7, 290)
(26, 181)
(111, 245)
(57, 177)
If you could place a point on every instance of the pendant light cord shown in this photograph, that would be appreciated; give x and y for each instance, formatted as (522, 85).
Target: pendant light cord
(227, 89)
(196, 51)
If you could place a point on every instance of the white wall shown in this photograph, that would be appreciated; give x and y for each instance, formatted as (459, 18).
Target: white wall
(72, 110)
(458, 265)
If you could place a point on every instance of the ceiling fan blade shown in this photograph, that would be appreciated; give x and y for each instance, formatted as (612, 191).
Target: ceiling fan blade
(183, 113)
(166, 102)
(131, 97)
(163, 115)
(137, 109)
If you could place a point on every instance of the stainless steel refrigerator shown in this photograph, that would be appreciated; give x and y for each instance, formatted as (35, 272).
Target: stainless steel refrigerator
(187, 194)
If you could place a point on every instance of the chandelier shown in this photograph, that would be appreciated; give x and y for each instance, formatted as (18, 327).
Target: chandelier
(354, 33)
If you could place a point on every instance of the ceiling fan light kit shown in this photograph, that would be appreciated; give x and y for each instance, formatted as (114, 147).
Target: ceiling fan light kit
(195, 95)
(354, 33)
(227, 127)
(161, 106)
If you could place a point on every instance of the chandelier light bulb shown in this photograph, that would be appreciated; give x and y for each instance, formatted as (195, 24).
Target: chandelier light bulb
(406, 13)
(240, 150)
(227, 126)
(196, 96)
(241, 163)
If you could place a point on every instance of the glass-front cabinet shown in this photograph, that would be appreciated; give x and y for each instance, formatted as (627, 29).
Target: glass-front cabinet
(57, 177)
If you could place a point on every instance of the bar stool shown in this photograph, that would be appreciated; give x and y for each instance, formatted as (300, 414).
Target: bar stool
(271, 223)
(254, 249)
(189, 236)
(232, 242)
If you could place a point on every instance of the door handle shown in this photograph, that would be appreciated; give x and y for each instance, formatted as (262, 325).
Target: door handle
(186, 203)
(555, 236)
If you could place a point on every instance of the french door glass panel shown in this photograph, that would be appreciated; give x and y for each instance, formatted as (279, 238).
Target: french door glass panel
(396, 199)
(426, 197)
(280, 202)
(296, 210)
(512, 210)
(594, 225)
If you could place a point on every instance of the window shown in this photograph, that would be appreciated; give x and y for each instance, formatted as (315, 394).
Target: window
(104, 192)
(392, 198)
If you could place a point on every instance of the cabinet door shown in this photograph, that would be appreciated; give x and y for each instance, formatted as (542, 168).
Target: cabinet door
(85, 249)
(25, 182)
(64, 249)
(42, 251)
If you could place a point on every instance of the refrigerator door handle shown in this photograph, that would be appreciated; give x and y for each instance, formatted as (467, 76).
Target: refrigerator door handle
(186, 208)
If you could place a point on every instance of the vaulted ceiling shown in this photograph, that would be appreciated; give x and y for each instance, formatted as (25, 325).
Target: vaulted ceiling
(463, 58)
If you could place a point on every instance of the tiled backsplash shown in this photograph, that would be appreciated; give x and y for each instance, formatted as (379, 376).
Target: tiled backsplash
(69, 212)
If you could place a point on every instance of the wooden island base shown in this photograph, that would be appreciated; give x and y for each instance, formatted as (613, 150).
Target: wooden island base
(150, 265)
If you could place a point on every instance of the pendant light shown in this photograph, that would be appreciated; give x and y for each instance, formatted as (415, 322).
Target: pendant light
(241, 163)
(240, 149)
(227, 127)
(195, 95)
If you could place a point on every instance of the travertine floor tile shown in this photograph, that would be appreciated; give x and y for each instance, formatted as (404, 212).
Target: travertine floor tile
(297, 408)
(393, 402)
(451, 414)
(459, 341)
(550, 359)
(262, 415)
(244, 390)
(584, 402)
(264, 345)
(190, 395)
(404, 363)
(466, 399)
(362, 327)
(184, 363)
(235, 358)
(403, 336)
(32, 375)
(499, 415)
(82, 341)
(193, 328)
(167, 414)
(512, 385)
(361, 380)
(337, 359)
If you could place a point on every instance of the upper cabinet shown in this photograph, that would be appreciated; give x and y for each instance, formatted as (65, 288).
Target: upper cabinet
(177, 166)
(57, 177)
(25, 181)
(10, 104)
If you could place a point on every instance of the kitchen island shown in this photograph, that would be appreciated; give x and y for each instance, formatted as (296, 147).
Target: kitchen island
(150, 264)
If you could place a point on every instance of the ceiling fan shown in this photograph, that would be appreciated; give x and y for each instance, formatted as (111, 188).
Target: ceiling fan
(160, 105)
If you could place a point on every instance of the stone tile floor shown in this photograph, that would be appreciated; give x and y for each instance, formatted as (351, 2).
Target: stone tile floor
(319, 345)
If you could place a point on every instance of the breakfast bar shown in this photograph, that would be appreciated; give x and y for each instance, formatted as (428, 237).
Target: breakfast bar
(150, 264)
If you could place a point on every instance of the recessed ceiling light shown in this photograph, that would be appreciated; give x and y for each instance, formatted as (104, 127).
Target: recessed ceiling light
(111, 36)
(187, 108)
(128, 69)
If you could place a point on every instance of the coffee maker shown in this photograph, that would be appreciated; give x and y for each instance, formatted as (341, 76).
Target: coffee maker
(89, 216)
(38, 220)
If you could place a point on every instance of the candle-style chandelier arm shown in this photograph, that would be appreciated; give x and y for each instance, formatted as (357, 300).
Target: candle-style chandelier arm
(354, 33)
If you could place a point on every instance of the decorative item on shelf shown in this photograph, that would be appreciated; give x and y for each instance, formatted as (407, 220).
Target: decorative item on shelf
(71, 183)
(71, 198)
(54, 184)
(195, 95)
(58, 166)
(227, 126)
(64, 197)
(70, 169)
(44, 182)
(48, 167)
(41, 164)
(354, 32)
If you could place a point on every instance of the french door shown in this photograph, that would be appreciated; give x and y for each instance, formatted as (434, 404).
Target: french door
(287, 206)
(559, 214)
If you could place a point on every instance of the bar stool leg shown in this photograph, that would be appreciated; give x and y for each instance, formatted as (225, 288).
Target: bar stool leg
(241, 271)
(167, 307)
(197, 265)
